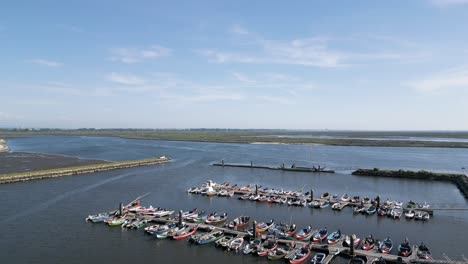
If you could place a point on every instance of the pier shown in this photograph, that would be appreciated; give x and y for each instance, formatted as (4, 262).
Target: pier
(292, 168)
(77, 170)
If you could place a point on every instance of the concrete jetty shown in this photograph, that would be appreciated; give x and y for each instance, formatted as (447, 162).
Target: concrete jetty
(60, 172)
(292, 168)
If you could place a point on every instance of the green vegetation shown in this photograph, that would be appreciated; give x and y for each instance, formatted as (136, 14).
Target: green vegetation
(351, 138)
(59, 172)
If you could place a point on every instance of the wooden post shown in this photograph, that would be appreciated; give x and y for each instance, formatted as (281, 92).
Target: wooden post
(256, 189)
(311, 195)
(180, 217)
(121, 209)
(251, 163)
(222, 162)
(351, 245)
(255, 229)
(377, 199)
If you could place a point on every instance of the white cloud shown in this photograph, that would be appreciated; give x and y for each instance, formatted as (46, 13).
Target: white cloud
(134, 55)
(127, 79)
(446, 3)
(455, 78)
(47, 63)
(316, 51)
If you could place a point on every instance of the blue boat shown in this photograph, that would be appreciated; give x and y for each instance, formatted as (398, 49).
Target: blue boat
(334, 237)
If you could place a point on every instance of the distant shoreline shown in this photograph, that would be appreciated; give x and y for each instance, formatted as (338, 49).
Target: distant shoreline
(3, 146)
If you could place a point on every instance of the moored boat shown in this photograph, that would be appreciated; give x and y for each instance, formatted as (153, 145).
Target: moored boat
(320, 235)
(209, 238)
(386, 246)
(318, 258)
(345, 198)
(239, 222)
(279, 253)
(324, 204)
(252, 246)
(371, 210)
(409, 214)
(305, 233)
(404, 249)
(300, 256)
(347, 241)
(262, 227)
(334, 237)
(369, 243)
(99, 217)
(183, 234)
(325, 196)
(423, 252)
(216, 218)
(236, 244)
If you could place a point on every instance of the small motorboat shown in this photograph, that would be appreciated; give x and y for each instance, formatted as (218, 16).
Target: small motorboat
(209, 238)
(345, 198)
(396, 213)
(325, 196)
(423, 252)
(216, 219)
(386, 246)
(191, 213)
(279, 253)
(425, 216)
(347, 241)
(334, 237)
(404, 249)
(305, 233)
(320, 235)
(236, 244)
(262, 227)
(244, 197)
(318, 258)
(314, 204)
(266, 247)
(162, 213)
(382, 211)
(409, 214)
(239, 222)
(117, 221)
(225, 241)
(324, 204)
(98, 218)
(371, 210)
(369, 243)
(359, 209)
(185, 233)
(337, 206)
(355, 199)
(171, 231)
(334, 198)
(283, 231)
(300, 256)
(252, 246)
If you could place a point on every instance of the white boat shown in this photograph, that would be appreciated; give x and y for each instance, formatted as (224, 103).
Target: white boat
(409, 214)
(345, 198)
(236, 244)
(319, 258)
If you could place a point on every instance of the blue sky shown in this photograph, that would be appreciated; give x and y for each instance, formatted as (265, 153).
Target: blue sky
(385, 65)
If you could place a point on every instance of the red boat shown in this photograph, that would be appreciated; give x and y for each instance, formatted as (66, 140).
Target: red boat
(300, 256)
(183, 234)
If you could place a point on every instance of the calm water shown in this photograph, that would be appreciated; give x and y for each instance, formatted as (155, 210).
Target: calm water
(42, 221)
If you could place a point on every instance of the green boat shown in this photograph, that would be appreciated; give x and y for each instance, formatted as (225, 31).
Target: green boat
(211, 237)
(116, 221)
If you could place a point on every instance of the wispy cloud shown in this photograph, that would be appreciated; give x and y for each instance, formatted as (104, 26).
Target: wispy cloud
(135, 54)
(455, 78)
(447, 3)
(127, 79)
(46, 63)
(319, 51)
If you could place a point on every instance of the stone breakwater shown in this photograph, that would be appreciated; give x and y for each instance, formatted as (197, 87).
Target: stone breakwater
(461, 180)
(68, 171)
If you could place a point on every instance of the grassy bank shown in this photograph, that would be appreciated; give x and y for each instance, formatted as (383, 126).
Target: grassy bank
(76, 170)
(460, 180)
(258, 136)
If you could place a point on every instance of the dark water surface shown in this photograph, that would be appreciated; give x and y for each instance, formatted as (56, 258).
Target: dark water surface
(43, 221)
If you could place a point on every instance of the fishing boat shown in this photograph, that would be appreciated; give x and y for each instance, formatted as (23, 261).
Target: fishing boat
(262, 227)
(162, 213)
(371, 210)
(236, 244)
(423, 252)
(159, 229)
(320, 235)
(404, 249)
(425, 216)
(359, 209)
(305, 233)
(266, 247)
(347, 241)
(262, 199)
(254, 197)
(209, 238)
(300, 256)
(355, 199)
(382, 211)
(334, 237)
(337, 206)
(315, 204)
(283, 231)
(369, 243)
(345, 198)
(116, 221)
(318, 258)
(171, 231)
(366, 200)
(244, 197)
(239, 222)
(396, 213)
(185, 233)
(225, 241)
(324, 204)
(98, 218)
(334, 198)
(191, 213)
(386, 246)
(325, 196)
(409, 214)
(252, 246)
(137, 224)
(279, 253)
(216, 219)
